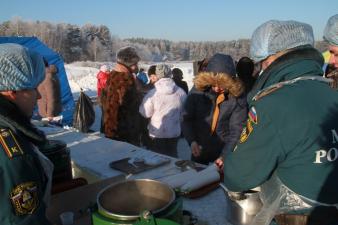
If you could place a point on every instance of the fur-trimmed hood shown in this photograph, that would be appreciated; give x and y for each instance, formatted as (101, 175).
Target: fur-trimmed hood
(205, 80)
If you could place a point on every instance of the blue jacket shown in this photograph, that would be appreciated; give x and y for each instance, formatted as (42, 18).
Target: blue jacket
(197, 119)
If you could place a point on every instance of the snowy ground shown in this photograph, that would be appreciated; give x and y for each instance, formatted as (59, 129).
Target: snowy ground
(85, 78)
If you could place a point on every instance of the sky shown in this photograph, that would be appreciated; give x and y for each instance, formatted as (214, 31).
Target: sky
(175, 20)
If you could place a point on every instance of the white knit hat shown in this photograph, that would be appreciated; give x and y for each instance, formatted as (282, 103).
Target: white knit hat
(104, 68)
(163, 71)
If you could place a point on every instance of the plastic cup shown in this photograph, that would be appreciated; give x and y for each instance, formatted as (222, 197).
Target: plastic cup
(67, 218)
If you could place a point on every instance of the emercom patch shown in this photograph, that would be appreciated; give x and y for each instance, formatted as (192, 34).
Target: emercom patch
(24, 198)
(246, 131)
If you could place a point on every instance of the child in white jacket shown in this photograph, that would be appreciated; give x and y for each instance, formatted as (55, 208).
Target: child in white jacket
(164, 105)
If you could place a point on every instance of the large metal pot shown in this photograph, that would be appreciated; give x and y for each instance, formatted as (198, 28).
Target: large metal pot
(127, 199)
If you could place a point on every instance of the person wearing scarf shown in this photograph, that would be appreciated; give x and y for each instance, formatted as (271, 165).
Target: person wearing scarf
(215, 111)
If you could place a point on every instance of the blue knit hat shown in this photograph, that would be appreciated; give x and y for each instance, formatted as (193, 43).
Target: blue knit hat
(221, 63)
(20, 68)
(331, 30)
(275, 36)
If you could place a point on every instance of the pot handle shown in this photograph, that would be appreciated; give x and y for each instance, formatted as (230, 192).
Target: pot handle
(223, 187)
(234, 196)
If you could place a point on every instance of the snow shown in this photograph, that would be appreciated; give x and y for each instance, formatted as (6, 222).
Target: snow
(85, 77)
(82, 77)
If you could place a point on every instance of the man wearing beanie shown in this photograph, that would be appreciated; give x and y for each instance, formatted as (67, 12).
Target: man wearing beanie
(289, 145)
(163, 105)
(120, 99)
(23, 174)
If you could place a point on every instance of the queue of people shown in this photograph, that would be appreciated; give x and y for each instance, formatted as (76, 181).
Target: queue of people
(278, 132)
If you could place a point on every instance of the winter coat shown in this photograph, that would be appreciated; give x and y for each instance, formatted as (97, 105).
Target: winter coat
(164, 105)
(291, 131)
(50, 104)
(101, 81)
(198, 113)
(120, 102)
(182, 84)
(142, 76)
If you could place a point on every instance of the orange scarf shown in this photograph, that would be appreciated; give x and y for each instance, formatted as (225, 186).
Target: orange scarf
(220, 98)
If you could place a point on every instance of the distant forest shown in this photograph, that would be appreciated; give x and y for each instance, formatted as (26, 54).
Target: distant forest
(96, 43)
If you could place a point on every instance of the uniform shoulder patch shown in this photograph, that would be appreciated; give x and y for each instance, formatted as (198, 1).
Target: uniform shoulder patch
(246, 132)
(24, 198)
(252, 118)
(10, 144)
(267, 92)
(253, 115)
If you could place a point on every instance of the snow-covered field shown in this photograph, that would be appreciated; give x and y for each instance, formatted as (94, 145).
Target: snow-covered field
(85, 78)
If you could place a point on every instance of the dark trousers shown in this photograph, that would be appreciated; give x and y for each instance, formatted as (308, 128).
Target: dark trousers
(102, 121)
(165, 146)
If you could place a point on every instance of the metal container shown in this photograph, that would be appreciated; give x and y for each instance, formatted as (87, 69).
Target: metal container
(126, 200)
(242, 209)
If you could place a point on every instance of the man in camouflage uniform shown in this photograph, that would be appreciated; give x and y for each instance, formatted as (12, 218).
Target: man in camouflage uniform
(289, 146)
(22, 176)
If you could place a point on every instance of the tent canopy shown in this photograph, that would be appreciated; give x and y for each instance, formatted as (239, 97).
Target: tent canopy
(52, 57)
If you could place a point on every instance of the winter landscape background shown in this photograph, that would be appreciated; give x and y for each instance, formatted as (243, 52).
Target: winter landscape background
(97, 43)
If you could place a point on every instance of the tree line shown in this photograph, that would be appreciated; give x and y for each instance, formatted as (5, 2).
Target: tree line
(95, 43)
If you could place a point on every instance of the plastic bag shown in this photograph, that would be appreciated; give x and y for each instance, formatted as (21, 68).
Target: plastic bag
(84, 114)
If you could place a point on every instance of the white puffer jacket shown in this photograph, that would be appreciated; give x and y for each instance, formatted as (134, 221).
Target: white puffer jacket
(164, 105)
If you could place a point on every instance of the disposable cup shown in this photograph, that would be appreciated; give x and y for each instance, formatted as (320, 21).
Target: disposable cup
(67, 218)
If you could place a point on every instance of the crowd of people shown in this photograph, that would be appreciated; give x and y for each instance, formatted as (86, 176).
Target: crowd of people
(268, 120)
(167, 110)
